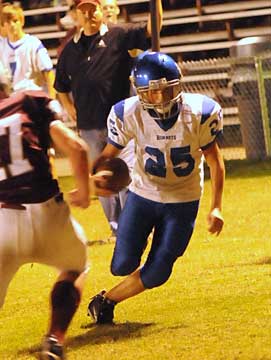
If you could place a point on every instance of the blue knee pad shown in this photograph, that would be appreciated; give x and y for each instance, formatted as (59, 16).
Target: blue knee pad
(156, 272)
(121, 266)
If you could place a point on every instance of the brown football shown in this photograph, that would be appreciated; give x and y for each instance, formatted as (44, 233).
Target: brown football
(117, 178)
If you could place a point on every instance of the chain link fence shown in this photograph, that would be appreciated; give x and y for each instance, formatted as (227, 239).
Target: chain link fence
(243, 89)
(242, 86)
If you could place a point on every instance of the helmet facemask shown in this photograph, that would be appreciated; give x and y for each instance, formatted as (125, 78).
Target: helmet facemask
(161, 97)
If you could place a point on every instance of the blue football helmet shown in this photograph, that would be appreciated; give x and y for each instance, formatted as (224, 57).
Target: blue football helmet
(157, 79)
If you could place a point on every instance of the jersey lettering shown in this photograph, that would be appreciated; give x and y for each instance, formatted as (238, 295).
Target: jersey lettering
(12, 161)
(213, 126)
(183, 163)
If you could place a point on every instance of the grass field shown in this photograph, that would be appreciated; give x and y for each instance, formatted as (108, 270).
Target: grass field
(216, 305)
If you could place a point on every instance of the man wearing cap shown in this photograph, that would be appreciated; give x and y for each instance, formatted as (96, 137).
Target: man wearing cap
(93, 67)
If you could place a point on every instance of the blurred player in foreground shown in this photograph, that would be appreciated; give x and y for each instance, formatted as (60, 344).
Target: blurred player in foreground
(35, 221)
(173, 131)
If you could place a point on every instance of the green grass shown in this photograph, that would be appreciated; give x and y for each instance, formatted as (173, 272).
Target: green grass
(216, 305)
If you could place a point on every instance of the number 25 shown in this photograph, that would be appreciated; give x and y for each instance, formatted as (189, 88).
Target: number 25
(183, 163)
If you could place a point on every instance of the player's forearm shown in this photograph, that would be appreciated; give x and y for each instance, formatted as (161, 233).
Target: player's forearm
(217, 171)
(76, 150)
(215, 162)
(80, 168)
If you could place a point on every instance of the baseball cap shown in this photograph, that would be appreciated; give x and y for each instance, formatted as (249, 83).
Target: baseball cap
(78, 3)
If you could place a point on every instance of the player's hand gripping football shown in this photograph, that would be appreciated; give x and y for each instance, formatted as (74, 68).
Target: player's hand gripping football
(215, 221)
(110, 176)
(99, 182)
(79, 198)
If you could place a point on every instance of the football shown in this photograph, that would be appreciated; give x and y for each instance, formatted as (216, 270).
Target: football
(114, 174)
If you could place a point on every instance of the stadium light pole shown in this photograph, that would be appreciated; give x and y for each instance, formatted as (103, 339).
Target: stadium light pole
(154, 26)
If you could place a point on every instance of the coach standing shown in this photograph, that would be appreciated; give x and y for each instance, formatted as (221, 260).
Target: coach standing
(93, 67)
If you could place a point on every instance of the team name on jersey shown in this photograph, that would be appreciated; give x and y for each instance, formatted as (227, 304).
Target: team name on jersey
(166, 137)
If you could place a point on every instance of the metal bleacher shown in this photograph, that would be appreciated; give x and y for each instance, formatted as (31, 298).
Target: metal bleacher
(193, 26)
(188, 33)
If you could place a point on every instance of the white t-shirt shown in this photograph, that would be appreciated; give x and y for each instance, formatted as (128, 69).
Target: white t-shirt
(25, 58)
(168, 164)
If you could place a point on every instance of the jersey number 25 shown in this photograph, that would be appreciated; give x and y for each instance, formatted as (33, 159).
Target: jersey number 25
(183, 163)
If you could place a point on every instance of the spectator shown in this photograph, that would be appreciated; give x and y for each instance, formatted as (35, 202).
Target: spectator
(93, 66)
(25, 55)
(35, 221)
(73, 30)
(172, 132)
(110, 11)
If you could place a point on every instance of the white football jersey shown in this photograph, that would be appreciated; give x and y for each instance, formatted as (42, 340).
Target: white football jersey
(26, 58)
(2, 39)
(128, 155)
(168, 163)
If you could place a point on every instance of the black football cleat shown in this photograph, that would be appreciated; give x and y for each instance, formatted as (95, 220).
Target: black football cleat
(51, 349)
(101, 309)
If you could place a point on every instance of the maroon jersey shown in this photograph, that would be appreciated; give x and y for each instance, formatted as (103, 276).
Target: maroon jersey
(25, 172)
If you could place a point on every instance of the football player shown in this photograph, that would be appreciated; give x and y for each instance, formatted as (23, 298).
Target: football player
(35, 220)
(173, 133)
